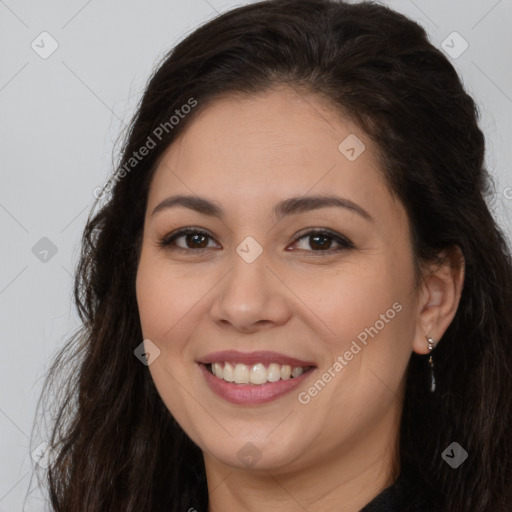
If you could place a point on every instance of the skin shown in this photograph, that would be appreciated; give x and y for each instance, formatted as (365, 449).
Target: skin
(247, 153)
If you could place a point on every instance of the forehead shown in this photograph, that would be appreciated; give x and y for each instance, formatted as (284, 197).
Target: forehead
(245, 148)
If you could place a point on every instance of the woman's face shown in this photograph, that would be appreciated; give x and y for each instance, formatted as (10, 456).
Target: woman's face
(297, 256)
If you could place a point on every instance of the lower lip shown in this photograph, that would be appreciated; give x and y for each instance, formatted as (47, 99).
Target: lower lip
(252, 393)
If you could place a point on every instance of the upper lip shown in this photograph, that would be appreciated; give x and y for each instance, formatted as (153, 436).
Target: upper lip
(251, 358)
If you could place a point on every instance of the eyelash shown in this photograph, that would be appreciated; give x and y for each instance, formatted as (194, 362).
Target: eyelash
(344, 243)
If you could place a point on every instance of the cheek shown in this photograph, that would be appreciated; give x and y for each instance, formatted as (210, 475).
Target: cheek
(156, 305)
(163, 304)
(353, 299)
(365, 316)
(165, 297)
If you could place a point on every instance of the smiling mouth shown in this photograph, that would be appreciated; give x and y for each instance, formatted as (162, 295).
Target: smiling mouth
(257, 374)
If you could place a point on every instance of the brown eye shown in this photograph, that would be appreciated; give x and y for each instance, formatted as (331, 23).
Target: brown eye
(192, 239)
(321, 242)
(196, 240)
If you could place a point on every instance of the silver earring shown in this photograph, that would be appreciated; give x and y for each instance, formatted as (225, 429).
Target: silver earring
(431, 346)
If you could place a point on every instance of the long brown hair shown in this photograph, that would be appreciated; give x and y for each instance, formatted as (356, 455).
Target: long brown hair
(118, 447)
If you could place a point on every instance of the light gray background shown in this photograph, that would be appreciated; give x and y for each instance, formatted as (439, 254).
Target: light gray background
(60, 117)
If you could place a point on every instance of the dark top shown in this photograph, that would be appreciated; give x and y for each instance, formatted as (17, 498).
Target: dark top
(402, 496)
(406, 494)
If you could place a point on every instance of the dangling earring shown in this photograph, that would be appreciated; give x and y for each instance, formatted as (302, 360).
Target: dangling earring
(431, 346)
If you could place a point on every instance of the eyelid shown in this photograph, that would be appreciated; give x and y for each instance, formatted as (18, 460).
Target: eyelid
(320, 231)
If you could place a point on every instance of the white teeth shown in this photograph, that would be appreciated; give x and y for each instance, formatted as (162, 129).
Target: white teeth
(228, 374)
(255, 374)
(297, 371)
(241, 374)
(258, 374)
(286, 371)
(217, 370)
(274, 372)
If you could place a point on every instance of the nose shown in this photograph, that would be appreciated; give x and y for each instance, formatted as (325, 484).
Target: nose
(250, 298)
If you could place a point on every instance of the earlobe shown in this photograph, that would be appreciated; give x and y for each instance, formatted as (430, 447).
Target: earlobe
(440, 294)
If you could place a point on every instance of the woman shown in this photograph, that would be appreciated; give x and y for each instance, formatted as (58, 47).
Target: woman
(295, 297)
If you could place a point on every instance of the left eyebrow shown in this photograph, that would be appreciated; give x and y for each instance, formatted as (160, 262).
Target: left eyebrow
(295, 205)
(290, 206)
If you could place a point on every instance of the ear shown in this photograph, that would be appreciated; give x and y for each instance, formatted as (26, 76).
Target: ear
(439, 298)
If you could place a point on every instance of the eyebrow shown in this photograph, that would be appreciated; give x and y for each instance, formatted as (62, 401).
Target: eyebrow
(290, 206)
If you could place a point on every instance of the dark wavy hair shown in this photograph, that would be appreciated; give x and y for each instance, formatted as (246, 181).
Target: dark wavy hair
(117, 446)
